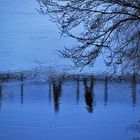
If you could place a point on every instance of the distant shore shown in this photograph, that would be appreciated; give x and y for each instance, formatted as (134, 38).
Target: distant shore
(48, 76)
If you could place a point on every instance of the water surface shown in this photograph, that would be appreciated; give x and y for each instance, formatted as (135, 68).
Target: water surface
(69, 110)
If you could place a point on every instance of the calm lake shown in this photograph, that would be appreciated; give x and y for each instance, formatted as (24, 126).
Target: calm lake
(55, 108)
(79, 108)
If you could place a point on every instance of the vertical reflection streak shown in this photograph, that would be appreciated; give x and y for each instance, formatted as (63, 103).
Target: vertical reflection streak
(49, 96)
(77, 90)
(133, 86)
(106, 92)
(89, 97)
(22, 89)
(57, 87)
(1, 95)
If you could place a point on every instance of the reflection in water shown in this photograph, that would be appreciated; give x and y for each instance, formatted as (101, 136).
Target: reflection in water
(1, 94)
(22, 89)
(55, 91)
(106, 92)
(49, 96)
(84, 95)
(57, 86)
(88, 87)
(133, 86)
(134, 127)
(77, 90)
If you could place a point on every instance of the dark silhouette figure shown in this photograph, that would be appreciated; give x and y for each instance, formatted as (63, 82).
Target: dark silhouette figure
(133, 86)
(88, 87)
(57, 87)
(106, 92)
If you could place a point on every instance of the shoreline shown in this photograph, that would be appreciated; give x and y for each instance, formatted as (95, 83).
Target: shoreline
(49, 76)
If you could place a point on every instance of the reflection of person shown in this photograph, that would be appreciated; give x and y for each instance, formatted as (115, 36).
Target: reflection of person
(88, 94)
(57, 86)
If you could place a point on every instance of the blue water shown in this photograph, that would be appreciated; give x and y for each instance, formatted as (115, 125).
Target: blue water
(69, 110)
(57, 110)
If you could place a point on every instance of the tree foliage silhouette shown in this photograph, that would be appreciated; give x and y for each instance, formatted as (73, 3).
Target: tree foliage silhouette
(108, 28)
